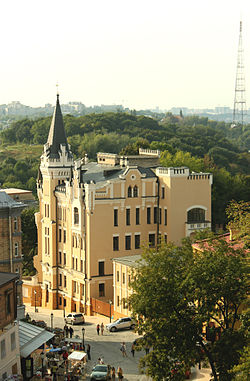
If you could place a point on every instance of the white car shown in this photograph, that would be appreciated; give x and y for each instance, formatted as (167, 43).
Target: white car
(122, 323)
(75, 318)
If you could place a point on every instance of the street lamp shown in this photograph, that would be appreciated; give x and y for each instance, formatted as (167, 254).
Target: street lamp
(83, 332)
(51, 320)
(110, 304)
(35, 300)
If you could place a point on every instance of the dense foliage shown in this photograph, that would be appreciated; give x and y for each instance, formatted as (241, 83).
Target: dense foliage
(29, 240)
(196, 142)
(188, 304)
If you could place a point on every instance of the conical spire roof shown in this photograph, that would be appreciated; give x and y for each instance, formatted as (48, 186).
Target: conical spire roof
(57, 135)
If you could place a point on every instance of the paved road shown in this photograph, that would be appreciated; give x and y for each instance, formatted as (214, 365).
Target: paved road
(106, 346)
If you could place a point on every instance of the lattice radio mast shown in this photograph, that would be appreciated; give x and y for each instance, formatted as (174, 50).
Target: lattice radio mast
(240, 92)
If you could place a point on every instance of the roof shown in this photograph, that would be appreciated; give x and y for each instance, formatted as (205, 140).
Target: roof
(129, 260)
(205, 244)
(7, 277)
(31, 338)
(57, 135)
(7, 202)
(16, 190)
(98, 173)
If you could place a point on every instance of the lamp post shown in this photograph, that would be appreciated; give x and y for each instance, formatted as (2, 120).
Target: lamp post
(83, 332)
(110, 304)
(51, 320)
(35, 300)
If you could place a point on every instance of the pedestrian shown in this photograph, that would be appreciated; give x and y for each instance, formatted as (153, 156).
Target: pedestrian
(98, 329)
(66, 330)
(113, 373)
(119, 373)
(65, 357)
(123, 350)
(71, 331)
(102, 328)
(88, 352)
(133, 350)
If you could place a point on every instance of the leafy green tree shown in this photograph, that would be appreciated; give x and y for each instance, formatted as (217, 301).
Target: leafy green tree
(176, 293)
(29, 240)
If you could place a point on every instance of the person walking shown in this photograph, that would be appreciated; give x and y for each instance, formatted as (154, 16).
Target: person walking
(123, 350)
(88, 352)
(71, 331)
(119, 373)
(113, 373)
(98, 329)
(66, 330)
(102, 328)
(133, 350)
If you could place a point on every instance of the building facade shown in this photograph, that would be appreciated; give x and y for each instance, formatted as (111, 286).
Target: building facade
(9, 334)
(10, 234)
(92, 212)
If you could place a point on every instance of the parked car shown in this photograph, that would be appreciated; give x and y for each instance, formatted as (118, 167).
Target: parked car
(75, 318)
(39, 323)
(100, 372)
(122, 323)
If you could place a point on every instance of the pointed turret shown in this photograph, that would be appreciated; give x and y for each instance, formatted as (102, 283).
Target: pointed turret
(57, 135)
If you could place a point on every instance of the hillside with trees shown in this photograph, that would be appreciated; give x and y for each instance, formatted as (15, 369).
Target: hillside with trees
(197, 142)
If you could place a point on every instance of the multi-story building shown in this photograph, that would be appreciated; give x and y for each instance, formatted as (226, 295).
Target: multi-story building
(92, 212)
(9, 334)
(10, 234)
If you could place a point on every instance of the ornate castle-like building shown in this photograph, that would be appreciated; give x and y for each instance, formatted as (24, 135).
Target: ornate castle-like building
(91, 212)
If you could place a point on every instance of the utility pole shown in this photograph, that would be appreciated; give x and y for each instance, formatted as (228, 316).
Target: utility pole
(240, 96)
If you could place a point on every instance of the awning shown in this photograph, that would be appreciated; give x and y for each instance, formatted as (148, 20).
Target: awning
(31, 338)
(77, 356)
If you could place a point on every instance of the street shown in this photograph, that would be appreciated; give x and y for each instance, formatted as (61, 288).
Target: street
(107, 346)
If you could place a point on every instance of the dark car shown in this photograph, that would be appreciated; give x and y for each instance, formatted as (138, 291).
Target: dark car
(39, 323)
(100, 372)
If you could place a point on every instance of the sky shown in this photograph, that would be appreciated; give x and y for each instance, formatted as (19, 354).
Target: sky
(138, 53)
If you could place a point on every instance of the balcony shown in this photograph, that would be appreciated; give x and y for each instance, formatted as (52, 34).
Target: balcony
(192, 227)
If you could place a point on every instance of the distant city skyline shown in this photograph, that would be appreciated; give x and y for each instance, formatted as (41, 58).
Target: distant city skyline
(141, 54)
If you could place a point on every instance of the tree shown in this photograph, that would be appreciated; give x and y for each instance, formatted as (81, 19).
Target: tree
(177, 293)
(239, 215)
(29, 240)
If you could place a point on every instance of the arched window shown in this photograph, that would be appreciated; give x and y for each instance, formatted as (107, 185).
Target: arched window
(76, 216)
(135, 191)
(129, 191)
(196, 215)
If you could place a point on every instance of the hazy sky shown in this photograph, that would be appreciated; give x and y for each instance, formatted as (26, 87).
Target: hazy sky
(139, 53)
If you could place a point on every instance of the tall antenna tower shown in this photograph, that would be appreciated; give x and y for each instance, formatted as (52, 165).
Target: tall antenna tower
(240, 92)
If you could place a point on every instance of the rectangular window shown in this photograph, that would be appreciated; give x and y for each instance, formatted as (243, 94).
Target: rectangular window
(155, 214)
(16, 249)
(81, 265)
(127, 216)
(60, 257)
(101, 289)
(128, 242)
(115, 243)
(115, 217)
(13, 341)
(73, 262)
(74, 286)
(15, 224)
(137, 241)
(166, 238)
(151, 240)
(137, 216)
(101, 268)
(64, 258)
(3, 349)
(60, 235)
(165, 216)
(60, 279)
(162, 192)
(160, 216)
(76, 264)
(118, 301)
(117, 276)
(123, 278)
(65, 281)
(60, 300)
(64, 236)
(148, 215)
